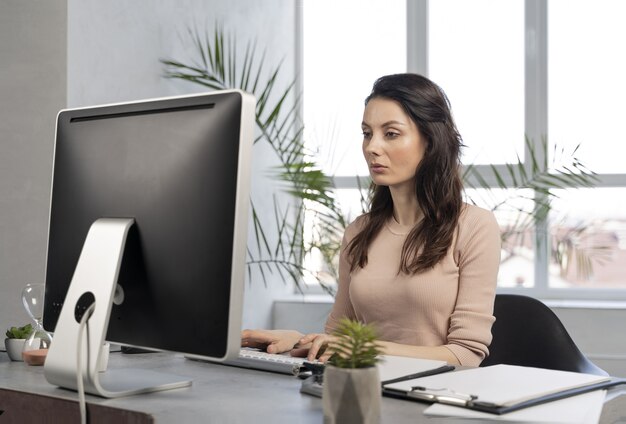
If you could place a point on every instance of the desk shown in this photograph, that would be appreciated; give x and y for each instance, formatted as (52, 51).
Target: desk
(223, 394)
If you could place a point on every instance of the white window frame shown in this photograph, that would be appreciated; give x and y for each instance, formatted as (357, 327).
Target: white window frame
(535, 125)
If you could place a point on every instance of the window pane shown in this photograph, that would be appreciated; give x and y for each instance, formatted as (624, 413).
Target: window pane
(352, 202)
(476, 54)
(588, 238)
(348, 44)
(586, 80)
(512, 209)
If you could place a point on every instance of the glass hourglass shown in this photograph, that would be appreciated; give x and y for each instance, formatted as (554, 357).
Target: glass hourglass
(37, 344)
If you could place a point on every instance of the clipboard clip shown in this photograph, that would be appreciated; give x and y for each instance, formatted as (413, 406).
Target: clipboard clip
(443, 395)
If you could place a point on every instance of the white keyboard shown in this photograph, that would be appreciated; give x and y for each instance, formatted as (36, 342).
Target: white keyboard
(256, 359)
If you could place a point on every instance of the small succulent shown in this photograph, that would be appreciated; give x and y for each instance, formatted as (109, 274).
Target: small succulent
(355, 346)
(19, 332)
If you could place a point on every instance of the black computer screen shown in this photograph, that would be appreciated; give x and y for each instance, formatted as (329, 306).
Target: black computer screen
(172, 165)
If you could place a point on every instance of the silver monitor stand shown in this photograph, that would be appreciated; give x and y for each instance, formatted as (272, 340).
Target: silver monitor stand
(95, 280)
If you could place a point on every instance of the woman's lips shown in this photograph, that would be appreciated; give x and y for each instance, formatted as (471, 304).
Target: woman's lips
(378, 168)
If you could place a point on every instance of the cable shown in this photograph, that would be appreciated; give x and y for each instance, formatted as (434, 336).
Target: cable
(84, 322)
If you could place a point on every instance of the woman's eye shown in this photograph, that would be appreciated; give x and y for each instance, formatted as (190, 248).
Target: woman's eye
(367, 134)
(391, 134)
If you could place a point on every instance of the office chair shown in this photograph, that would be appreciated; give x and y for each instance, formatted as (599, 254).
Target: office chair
(528, 333)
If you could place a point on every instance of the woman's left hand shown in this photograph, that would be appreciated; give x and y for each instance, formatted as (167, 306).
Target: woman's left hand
(318, 347)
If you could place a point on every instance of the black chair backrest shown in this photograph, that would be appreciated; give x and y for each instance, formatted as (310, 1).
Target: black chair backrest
(528, 333)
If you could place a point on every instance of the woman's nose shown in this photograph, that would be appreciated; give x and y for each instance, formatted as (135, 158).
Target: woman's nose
(373, 147)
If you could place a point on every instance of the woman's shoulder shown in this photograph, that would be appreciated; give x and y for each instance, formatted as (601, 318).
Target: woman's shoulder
(475, 219)
(356, 226)
(472, 215)
(479, 235)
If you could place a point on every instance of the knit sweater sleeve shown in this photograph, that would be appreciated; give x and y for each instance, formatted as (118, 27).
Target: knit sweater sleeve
(478, 256)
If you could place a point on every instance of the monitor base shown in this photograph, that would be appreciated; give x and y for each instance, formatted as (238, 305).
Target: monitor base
(132, 381)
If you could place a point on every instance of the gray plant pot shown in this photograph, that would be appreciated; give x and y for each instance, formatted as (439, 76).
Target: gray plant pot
(351, 396)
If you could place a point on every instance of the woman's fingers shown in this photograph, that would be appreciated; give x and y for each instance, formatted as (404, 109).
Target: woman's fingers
(318, 346)
(253, 344)
(306, 340)
(273, 341)
(255, 339)
(256, 336)
(325, 356)
(299, 352)
(280, 346)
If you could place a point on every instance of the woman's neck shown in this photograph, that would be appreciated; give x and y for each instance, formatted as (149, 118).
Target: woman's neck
(406, 210)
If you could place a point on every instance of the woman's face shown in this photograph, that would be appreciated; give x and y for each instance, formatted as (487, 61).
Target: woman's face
(392, 144)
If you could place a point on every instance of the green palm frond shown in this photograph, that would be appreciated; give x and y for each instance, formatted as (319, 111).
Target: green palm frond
(536, 182)
(219, 64)
(564, 171)
(575, 244)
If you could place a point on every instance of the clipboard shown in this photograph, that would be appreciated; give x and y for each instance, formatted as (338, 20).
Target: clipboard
(499, 389)
(392, 369)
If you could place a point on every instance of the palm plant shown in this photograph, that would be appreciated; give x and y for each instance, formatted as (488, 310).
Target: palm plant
(218, 65)
(536, 182)
(574, 246)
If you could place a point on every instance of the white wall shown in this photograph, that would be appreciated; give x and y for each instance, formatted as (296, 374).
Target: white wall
(32, 90)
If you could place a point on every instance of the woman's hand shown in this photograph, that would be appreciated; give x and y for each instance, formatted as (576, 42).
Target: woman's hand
(317, 346)
(272, 341)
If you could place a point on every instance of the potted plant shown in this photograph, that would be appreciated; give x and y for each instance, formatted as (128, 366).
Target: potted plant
(16, 336)
(352, 391)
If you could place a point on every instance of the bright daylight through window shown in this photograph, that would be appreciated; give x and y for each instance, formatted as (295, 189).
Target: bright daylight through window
(586, 88)
(344, 52)
(537, 101)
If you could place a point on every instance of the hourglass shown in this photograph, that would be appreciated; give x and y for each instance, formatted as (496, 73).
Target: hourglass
(36, 346)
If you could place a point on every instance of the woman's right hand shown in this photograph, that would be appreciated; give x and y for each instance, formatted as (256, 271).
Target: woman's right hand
(318, 346)
(272, 341)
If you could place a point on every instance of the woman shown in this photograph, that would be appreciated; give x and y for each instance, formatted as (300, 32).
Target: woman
(421, 265)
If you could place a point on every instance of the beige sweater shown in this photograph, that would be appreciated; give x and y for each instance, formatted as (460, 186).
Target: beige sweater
(450, 304)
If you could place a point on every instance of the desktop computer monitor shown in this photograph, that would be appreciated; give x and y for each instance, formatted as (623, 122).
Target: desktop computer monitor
(177, 171)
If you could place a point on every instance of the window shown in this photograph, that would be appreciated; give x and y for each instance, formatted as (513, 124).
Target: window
(346, 45)
(586, 84)
(525, 81)
(344, 52)
(479, 62)
(586, 88)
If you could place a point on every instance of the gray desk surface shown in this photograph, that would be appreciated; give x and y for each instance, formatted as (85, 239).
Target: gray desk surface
(226, 394)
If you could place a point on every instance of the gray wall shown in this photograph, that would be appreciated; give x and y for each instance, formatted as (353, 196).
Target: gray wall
(32, 90)
(114, 49)
(599, 333)
(70, 53)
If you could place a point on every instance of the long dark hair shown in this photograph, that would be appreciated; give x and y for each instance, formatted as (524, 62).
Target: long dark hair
(438, 183)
